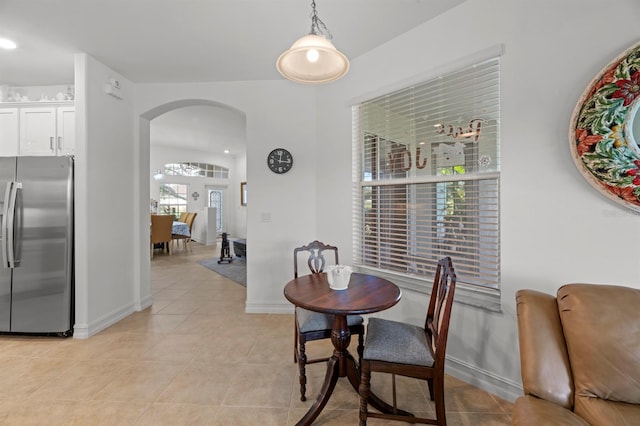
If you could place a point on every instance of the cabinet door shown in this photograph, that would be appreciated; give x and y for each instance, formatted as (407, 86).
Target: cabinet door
(66, 138)
(9, 132)
(37, 131)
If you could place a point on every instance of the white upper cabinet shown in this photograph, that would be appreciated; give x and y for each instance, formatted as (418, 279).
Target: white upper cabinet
(47, 130)
(66, 139)
(8, 132)
(37, 131)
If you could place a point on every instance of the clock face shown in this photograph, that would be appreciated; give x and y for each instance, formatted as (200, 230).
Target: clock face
(280, 160)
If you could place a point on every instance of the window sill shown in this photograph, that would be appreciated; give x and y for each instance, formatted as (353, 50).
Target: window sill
(478, 297)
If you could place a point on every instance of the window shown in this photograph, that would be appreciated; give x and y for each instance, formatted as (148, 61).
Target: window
(427, 179)
(173, 199)
(196, 170)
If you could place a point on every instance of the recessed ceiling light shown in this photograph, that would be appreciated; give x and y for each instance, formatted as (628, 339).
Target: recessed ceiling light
(226, 151)
(5, 43)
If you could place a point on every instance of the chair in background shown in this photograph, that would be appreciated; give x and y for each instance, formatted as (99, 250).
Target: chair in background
(412, 351)
(161, 226)
(310, 325)
(183, 217)
(186, 239)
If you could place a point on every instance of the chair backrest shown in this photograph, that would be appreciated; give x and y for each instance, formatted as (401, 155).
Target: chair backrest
(161, 225)
(189, 220)
(439, 312)
(316, 260)
(183, 217)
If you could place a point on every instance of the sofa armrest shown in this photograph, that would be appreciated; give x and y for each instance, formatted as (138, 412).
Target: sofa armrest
(544, 361)
(529, 410)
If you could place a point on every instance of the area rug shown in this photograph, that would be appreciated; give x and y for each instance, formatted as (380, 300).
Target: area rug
(235, 271)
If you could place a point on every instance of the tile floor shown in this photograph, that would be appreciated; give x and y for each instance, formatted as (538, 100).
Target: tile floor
(194, 358)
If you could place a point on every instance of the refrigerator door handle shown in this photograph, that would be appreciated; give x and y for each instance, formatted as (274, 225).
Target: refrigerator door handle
(5, 221)
(8, 218)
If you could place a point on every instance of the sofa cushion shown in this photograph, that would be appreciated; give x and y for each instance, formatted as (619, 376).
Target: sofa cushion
(601, 325)
(529, 410)
(544, 361)
(602, 412)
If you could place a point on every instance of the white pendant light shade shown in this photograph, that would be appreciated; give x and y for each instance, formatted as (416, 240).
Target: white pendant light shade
(313, 59)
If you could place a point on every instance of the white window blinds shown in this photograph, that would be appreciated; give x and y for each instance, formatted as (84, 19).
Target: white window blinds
(426, 182)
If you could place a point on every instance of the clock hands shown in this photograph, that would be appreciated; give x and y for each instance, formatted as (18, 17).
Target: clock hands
(280, 160)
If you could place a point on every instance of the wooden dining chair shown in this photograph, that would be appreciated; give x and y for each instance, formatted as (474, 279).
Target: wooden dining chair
(161, 226)
(182, 217)
(408, 350)
(311, 325)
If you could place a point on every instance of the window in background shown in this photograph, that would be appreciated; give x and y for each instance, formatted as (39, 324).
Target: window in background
(196, 169)
(426, 175)
(173, 199)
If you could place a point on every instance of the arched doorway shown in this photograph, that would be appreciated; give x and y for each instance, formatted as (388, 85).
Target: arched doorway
(228, 116)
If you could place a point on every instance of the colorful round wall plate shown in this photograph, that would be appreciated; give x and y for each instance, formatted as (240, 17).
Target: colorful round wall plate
(605, 130)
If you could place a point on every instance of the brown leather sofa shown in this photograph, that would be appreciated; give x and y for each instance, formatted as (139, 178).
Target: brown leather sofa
(579, 356)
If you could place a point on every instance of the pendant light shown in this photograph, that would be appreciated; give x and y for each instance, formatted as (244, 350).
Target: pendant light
(313, 59)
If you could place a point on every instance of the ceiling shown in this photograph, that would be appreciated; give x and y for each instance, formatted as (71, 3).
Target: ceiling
(184, 41)
(178, 41)
(200, 128)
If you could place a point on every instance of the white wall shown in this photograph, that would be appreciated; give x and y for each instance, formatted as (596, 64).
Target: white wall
(556, 228)
(105, 261)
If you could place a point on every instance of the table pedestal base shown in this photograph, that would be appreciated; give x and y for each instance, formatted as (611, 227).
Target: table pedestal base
(342, 364)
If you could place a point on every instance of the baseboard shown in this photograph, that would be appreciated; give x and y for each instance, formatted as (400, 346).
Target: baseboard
(504, 388)
(144, 303)
(84, 331)
(264, 308)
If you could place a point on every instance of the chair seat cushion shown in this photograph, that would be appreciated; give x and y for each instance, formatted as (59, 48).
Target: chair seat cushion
(316, 321)
(396, 342)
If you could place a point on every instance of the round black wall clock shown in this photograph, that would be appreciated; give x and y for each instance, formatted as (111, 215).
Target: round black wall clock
(280, 160)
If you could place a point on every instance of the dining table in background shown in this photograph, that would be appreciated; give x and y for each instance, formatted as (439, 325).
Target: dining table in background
(364, 295)
(180, 228)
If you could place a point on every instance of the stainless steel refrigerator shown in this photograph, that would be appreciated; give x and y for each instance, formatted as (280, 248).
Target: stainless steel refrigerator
(36, 238)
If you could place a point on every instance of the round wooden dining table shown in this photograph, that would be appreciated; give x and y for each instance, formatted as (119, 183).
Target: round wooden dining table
(365, 294)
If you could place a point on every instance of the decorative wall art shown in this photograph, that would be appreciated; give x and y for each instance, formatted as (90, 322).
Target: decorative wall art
(243, 193)
(605, 130)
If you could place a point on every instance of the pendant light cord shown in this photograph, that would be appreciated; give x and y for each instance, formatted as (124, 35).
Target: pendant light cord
(317, 26)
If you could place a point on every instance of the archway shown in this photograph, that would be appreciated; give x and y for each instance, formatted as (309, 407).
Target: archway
(143, 188)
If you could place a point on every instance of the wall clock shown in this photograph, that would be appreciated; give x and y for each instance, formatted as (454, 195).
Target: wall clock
(280, 160)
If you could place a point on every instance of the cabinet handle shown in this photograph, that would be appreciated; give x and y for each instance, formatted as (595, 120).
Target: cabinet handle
(59, 142)
(51, 143)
